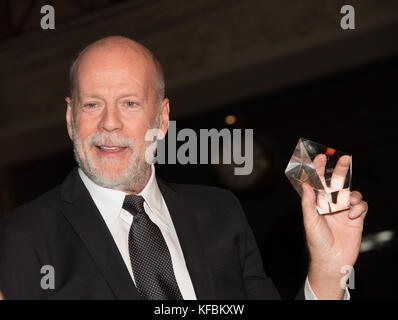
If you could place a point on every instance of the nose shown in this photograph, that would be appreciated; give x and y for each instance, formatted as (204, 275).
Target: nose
(111, 120)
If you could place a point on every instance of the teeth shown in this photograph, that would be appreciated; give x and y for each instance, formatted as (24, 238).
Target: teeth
(110, 148)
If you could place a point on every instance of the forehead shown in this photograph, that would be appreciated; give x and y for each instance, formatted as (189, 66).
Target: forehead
(108, 68)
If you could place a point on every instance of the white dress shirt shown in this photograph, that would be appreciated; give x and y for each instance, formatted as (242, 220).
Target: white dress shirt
(109, 203)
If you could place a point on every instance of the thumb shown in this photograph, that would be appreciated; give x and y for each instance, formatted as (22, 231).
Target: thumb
(308, 206)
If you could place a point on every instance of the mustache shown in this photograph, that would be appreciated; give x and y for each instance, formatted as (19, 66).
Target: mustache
(109, 139)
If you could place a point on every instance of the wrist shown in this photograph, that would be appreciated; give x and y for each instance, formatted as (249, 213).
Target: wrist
(326, 282)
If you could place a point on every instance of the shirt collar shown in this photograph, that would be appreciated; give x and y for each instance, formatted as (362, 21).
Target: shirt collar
(109, 201)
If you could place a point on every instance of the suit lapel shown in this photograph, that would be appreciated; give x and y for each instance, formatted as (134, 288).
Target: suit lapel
(88, 223)
(184, 218)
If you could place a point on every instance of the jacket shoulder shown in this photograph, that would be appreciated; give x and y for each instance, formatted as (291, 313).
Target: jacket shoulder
(202, 191)
(36, 208)
(209, 198)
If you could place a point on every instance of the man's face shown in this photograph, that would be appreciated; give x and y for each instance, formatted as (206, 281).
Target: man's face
(115, 104)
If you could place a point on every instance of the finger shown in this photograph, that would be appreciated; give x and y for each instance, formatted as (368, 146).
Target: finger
(358, 210)
(323, 203)
(340, 172)
(355, 198)
(319, 165)
(343, 200)
(308, 204)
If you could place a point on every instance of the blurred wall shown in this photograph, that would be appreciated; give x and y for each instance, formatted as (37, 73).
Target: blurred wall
(284, 68)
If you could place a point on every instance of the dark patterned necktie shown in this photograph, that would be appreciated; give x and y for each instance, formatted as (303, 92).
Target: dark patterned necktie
(150, 258)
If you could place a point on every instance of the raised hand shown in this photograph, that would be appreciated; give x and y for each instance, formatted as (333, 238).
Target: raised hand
(333, 239)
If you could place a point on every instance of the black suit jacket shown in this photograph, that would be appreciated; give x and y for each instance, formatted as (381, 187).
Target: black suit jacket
(64, 229)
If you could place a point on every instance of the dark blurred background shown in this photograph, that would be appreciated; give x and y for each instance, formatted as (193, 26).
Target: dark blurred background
(283, 68)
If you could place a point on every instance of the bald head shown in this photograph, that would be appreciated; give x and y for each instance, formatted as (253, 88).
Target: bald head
(118, 91)
(119, 47)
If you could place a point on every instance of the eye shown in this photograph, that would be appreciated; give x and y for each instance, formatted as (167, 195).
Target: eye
(90, 105)
(130, 103)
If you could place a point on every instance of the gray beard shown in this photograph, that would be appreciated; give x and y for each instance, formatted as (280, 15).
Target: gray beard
(132, 179)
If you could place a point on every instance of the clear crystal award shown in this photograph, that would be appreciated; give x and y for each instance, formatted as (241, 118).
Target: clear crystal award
(327, 170)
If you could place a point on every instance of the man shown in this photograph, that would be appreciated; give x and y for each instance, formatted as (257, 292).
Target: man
(114, 229)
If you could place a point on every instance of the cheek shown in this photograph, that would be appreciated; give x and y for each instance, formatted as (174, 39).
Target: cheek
(84, 130)
(82, 139)
(137, 130)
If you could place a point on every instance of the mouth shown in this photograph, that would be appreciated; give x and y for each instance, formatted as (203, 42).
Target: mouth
(110, 150)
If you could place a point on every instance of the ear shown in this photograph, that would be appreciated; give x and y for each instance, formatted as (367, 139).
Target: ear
(69, 116)
(164, 118)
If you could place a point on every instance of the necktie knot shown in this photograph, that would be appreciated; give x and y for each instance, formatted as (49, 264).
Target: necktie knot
(134, 204)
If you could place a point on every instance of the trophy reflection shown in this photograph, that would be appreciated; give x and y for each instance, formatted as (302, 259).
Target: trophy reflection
(327, 170)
